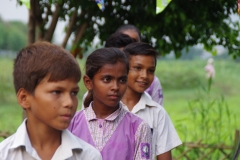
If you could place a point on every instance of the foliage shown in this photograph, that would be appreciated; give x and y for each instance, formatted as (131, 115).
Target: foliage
(183, 23)
(211, 118)
(13, 35)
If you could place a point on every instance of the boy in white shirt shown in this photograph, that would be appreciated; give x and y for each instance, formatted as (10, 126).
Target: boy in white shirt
(46, 82)
(142, 64)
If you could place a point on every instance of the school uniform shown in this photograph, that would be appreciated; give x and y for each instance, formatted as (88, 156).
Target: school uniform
(164, 134)
(155, 91)
(120, 136)
(19, 147)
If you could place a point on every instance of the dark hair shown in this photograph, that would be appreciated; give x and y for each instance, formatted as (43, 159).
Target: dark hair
(97, 59)
(140, 48)
(40, 59)
(118, 40)
(125, 27)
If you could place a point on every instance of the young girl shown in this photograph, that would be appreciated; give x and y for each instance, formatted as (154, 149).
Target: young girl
(104, 123)
(155, 89)
(142, 64)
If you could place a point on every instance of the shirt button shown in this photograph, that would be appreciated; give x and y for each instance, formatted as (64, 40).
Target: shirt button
(100, 126)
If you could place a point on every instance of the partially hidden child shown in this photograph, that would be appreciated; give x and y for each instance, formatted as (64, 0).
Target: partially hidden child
(155, 89)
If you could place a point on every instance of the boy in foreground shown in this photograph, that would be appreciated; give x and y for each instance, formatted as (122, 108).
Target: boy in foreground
(46, 82)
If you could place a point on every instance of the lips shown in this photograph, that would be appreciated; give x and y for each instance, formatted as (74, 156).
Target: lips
(142, 83)
(113, 97)
(66, 116)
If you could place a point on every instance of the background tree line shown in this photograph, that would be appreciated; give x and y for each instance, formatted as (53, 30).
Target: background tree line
(13, 35)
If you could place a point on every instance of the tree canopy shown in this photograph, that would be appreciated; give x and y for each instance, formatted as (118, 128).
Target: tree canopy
(183, 23)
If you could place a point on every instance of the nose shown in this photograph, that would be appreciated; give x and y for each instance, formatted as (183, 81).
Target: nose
(68, 101)
(115, 86)
(143, 74)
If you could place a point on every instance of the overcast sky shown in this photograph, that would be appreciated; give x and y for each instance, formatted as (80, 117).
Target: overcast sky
(10, 10)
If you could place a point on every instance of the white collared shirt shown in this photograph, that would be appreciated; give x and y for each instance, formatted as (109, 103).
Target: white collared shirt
(19, 147)
(165, 136)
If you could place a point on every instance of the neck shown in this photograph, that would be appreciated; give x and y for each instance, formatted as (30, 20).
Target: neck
(103, 112)
(42, 135)
(130, 98)
(45, 140)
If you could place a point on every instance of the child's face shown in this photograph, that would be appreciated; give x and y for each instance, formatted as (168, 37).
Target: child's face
(53, 103)
(109, 85)
(141, 73)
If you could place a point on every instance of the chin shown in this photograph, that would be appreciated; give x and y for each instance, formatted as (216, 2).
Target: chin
(113, 105)
(140, 91)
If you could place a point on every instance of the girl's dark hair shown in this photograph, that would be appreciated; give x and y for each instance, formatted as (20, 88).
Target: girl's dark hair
(140, 48)
(129, 27)
(97, 59)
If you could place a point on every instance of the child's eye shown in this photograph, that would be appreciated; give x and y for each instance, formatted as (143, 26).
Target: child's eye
(151, 70)
(106, 79)
(56, 92)
(74, 93)
(123, 80)
(137, 68)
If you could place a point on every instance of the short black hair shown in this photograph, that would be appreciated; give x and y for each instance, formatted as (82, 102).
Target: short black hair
(140, 48)
(118, 40)
(125, 27)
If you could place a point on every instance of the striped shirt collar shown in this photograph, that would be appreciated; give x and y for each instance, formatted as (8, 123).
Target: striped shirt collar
(90, 114)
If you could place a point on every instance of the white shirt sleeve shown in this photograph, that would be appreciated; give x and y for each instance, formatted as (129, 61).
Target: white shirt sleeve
(166, 135)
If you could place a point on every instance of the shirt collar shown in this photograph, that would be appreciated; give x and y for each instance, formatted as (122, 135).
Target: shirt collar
(145, 101)
(68, 143)
(90, 114)
(22, 137)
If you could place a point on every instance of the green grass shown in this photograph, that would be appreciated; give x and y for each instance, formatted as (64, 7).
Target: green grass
(182, 82)
(176, 101)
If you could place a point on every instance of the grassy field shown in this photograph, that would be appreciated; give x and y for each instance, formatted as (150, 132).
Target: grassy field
(191, 108)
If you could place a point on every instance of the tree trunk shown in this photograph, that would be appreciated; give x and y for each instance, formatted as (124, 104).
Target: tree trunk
(80, 32)
(49, 34)
(70, 28)
(31, 24)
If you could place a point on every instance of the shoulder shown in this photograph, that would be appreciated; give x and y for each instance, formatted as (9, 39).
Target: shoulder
(75, 144)
(147, 100)
(78, 115)
(132, 117)
(131, 120)
(8, 141)
(156, 80)
(155, 109)
(87, 149)
(6, 145)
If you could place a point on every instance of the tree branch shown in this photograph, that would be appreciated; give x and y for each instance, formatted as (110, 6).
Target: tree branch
(80, 32)
(49, 34)
(70, 28)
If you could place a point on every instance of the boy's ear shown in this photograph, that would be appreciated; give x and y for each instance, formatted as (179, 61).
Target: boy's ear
(23, 98)
(87, 82)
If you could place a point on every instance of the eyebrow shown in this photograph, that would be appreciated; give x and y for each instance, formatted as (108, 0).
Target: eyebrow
(142, 65)
(59, 87)
(123, 77)
(107, 75)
